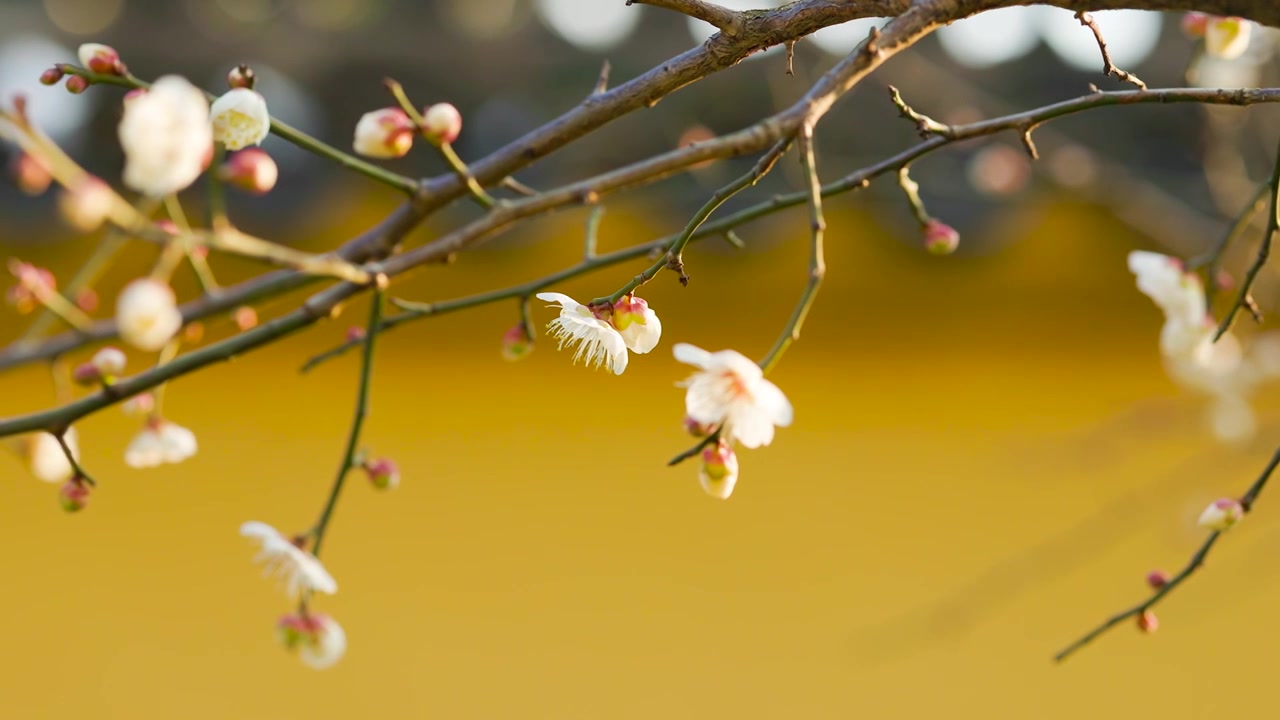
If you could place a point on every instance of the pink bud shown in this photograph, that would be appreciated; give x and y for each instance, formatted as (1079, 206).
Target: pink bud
(940, 238)
(627, 310)
(355, 334)
(74, 495)
(442, 123)
(385, 133)
(697, 429)
(1222, 514)
(34, 284)
(251, 170)
(1157, 579)
(719, 472)
(52, 76)
(516, 343)
(1148, 622)
(383, 473)
(87, 299)
(1194, 23)
(30, 174)
(86, 374)
(87, 204)
(76, 85)
(245, 317)
(102, 59)
(241, 76)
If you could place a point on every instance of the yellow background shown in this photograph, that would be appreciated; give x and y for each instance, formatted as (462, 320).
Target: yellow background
(986, 460)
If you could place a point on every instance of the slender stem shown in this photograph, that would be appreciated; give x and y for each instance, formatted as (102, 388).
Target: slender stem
(592, 238)
(912, 190)
(1197, 560)
(217, 191)
(464, 172)
(199, 263)
(672, 257)
(1212, 259)
(693, 451)
(54, 302)
(71, 458)
(1264, 249)
(817, 261)
(279, 128)
(362, 410)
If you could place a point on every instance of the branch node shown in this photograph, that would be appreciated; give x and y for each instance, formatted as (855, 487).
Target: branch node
(925, 125)
(1108, 67)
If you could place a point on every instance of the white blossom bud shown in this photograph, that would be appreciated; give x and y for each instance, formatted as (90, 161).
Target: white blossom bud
(166, 136)
(240, 118)
(147, 314)
(442, 123)
(1222, 514)
(385, 133)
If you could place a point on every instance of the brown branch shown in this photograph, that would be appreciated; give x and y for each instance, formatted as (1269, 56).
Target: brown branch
(1244, 299)
(1195, 563)
(1108, 67)
(728, 21)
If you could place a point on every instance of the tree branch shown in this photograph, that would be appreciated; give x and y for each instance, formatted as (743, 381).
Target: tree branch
(1244, 299)
(728, 21)
(1108, 67)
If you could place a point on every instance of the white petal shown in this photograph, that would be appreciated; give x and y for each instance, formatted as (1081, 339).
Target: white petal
(772, 402)
(691, 355)
(46, 460)
(641, 338)
(707, 398)
(145, 450)
(749, 425)
(560, 299)
(328, 647)
(258, 530)
(737, 363)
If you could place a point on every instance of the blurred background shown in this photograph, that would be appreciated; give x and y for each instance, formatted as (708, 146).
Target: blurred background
(987, 456)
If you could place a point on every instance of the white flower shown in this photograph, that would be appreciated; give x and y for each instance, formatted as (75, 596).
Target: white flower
(1222, 514)
(1178, 293)
(240, 118)
(731, 392)
(598, 342)
(147, 314)
(1227, 37)
(718, 473)
(385, 133)
(160, 442)
(638, 323)
(318, 639)
(166, 136)
(299, 570)
(45, 458)
(109, 361)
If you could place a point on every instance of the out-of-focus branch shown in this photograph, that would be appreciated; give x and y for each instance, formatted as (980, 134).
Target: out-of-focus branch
(1211, 260)
(1244, 299)
(1197, 560)
(723, 18)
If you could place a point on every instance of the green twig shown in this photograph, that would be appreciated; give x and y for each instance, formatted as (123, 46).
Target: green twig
(592, 238)
(71, 458)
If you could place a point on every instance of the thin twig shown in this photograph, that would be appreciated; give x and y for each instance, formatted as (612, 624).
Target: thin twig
(723, 18)
(71, 458)
(592, 237)
(464, 172)
(1264, 249)
(602, 82)
(1196, 561)
(1108, 67)
(911, 189)
(1211, 260)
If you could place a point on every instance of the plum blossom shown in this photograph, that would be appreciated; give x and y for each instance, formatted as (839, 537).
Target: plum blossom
(730, 391)
(147, 314)
(318, 639)
(299, 570)
(718, 473)
(385, 133)
(160, 441)
(166, 136)
(45, 459)
(240, 118)
(599, 342)
(637, 323)
(1222, 514)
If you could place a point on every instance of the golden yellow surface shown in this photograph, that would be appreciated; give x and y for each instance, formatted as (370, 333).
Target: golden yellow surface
(986, 460)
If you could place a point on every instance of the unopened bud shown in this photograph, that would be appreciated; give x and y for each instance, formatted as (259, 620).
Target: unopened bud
(385, 133)
(87, 204)
(719, 471)
(442, 123)
(383, 473)
(74, 495)
(940, 238)
(1227, 38)
(1157, 579)
(86, 374)
(241, 76)
(52, 76)
(245, 317)
(516, 343)
(193, 333)
(76, 84)
(1194, 23)
(109, 361)
(251, 170)
(30, 174)
(102, 59)
(87, 299)
(698, 429)
(1148, 622)
(318, 640)
(33, 285)
(1222, 514)
(355, 334)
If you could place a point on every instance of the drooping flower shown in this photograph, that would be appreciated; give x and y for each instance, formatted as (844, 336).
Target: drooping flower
(73, 496)
(599, 343)
(299, 570)
(1222, 514)
(385, 133)
(940, 238)
(160, 442)
(718, 473)
(318, 639)
(730, 391)
(166, 136)
(240, 118)
(147, 314)
(637, 322)
(1226, 38)
(45, 459)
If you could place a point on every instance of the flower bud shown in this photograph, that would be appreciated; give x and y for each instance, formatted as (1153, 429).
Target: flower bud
(52, 76)
(383, 473)
(30, 174)
(442, 123)
(251, 170)
(87, 299)
(241, 76)
(34, 284)
(86, 374)
(1148, 622)
(193, 333)
(74, 495)
(698, 429)
(719, 471)
(76, 84)
(139, 405)
(245, 317)
(1222, 514)
(385, 133)
(940, 238)
(147, 314)
(1227, 38)
(355, 334)
(87, 204)
(1194, 24)
(318, 639)
(516, 343)
(102, 59)
(1157, 579)
(240, 118)
(109, 361)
